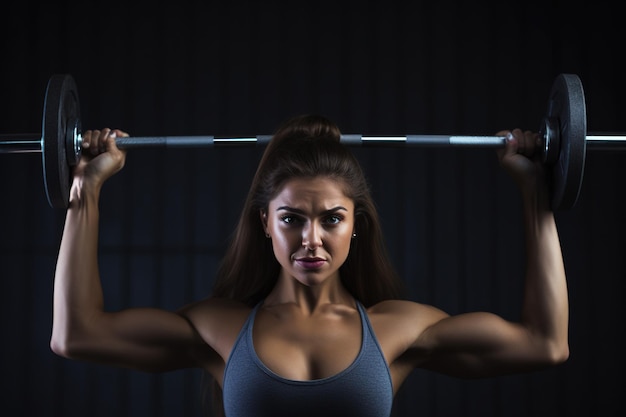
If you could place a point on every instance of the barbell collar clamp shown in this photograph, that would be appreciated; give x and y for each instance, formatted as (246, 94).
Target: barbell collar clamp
(550, 137)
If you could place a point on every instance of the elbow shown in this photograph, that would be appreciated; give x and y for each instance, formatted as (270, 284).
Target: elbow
(58, 348)
(557, 354)
(73, 335)
(59, 340)
(61, 346)
(560, 348)
(561, 355)
(65, 343)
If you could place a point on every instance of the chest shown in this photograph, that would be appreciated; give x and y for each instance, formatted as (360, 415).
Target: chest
(307, 348)
(320, 371)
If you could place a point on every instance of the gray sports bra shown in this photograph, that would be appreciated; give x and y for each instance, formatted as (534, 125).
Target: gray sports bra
(251, 389)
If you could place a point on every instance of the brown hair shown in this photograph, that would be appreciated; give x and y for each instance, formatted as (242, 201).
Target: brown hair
(305, 146)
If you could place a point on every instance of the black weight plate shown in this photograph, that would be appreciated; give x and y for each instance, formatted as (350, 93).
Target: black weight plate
(567, 106)
(61, 112)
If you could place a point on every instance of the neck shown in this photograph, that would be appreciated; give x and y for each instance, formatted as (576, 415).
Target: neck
(311, 297)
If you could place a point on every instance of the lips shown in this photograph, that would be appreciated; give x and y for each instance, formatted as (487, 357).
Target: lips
(310, 263)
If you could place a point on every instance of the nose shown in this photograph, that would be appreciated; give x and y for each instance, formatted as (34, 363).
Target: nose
(311, 237)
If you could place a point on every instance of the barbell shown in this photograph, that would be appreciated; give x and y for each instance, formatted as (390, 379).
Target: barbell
(563, 133)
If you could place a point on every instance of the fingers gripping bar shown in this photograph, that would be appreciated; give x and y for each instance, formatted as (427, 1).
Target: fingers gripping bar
(563, 133)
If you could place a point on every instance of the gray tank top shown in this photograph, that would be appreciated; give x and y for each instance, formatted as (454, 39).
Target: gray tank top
(251, 389)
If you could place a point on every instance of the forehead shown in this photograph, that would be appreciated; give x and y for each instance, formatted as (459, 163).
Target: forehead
(318, 191)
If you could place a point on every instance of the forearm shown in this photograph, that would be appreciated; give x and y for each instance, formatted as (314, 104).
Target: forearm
(545, 308)
(77, 289)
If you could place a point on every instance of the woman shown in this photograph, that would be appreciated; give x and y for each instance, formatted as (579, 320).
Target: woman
(306, 315)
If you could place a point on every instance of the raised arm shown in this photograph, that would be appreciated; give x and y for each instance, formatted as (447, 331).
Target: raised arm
(145, 339)
(483, 344)
(545, 311)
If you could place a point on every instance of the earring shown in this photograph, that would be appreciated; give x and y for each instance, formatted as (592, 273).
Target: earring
(267, 235)
(353, 235)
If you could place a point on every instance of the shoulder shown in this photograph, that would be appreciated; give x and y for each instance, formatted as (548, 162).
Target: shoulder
(402, 321)
(213, 304)
(405, 309)
(217, 320)
(216, 311)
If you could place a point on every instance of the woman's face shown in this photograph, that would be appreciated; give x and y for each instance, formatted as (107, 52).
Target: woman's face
(310, 222)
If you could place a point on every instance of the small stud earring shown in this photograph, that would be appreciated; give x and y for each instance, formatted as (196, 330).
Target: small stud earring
(353, 235)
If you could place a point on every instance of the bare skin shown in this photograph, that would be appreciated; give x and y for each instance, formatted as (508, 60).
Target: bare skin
(309, 327)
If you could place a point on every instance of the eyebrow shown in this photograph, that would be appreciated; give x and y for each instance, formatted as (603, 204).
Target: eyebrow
(298, 211)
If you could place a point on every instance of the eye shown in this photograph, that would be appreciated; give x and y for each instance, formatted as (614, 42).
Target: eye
(289, 219)
(334, 219)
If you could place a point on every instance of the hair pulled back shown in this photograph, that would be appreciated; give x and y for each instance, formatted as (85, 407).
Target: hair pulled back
(306, 146)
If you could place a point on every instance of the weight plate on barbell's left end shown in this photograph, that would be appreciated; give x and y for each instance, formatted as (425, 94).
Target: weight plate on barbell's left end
(61, 113)
(567, 105)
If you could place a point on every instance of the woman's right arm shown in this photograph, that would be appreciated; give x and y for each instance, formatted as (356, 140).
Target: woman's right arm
(143, 338)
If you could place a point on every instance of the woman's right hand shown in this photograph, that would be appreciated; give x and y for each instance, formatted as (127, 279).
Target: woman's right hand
(100, 158)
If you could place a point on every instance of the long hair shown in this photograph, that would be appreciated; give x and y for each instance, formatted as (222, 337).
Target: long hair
(306, 146)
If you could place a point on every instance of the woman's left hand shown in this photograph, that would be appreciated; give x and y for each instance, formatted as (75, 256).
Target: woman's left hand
(521, 158)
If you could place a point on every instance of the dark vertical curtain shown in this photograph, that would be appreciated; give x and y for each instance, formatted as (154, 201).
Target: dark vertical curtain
(451, 216)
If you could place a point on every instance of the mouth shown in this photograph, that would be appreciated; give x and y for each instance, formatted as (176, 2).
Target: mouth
(310, 263)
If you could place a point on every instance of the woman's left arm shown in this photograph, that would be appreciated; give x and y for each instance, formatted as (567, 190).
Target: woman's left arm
(483, 344)
(545, 309)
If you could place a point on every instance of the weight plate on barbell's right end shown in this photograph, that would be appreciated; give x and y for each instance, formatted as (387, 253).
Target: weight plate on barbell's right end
(567, 105)
(61, 112)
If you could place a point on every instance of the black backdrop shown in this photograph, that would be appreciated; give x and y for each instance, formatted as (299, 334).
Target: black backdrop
(235, 68)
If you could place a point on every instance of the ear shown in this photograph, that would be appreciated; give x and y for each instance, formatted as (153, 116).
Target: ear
(263, 216)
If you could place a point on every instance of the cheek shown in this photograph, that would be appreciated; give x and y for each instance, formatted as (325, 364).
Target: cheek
(346, 243)
(284, 243)
(345, 235)
(339, 244)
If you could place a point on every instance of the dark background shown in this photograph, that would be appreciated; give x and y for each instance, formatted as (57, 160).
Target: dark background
(452, 217)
